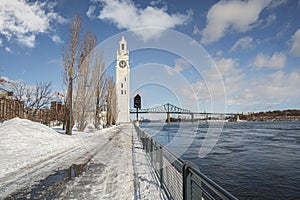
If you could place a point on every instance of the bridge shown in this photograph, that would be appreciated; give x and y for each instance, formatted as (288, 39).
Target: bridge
(172, 109)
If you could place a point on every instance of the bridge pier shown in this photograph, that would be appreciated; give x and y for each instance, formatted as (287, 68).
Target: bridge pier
(168, 117)
(192, 117)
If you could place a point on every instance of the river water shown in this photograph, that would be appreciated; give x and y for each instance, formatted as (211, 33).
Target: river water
(251, 160)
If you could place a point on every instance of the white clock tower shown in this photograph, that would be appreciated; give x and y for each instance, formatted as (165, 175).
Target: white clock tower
(123, 82)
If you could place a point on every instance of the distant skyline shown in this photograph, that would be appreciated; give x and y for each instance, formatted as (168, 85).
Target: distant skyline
(255, 45)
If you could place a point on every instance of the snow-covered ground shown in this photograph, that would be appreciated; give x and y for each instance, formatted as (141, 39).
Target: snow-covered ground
(118, 167)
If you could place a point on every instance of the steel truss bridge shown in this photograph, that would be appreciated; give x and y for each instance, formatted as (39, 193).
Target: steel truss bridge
(172, 109)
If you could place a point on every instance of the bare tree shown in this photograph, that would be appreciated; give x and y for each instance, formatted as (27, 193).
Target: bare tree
(98, 84)
(35, 97)
(70, 58)
(3, 81)
(19, 90)
(111, 99)
(84, 92)
(40, 95)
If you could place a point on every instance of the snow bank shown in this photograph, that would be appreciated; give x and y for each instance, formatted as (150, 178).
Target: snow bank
(119, 168)
(24, 143)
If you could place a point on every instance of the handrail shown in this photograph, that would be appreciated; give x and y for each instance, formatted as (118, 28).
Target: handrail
(206, 188)
(221, 192)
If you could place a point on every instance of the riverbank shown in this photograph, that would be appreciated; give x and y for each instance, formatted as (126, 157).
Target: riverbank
(117, 167)
(277, 115)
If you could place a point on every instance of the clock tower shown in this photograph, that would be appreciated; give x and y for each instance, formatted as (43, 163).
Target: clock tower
(123, 82)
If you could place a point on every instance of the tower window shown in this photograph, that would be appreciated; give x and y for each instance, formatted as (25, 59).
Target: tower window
(121, 85)
(121, 91)
(125, 79)
(124, 91)
(123, 46)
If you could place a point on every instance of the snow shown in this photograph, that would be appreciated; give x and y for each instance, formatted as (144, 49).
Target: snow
(24, 142)
(118, 167)
(119, 170)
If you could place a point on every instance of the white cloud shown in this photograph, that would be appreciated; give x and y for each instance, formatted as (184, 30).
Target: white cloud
(196, 30)
(263, 23)
(54, 61)
(157, 2)
(7, 49)
(21, 20)
(282, 31)
(295, 50)
(225, 65)
(219, 53)
(126, 15)
(277, 60)
(243, 43)
(56, 39)
(224, 16)
(276, 3)
(267, 92)
(27, 40)
(231, 77)
(271, 18)
(1, 42)
(271, 89)
(180, 65)
(90, 13)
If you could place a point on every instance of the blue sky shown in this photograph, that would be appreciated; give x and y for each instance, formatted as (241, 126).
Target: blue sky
(248, 51)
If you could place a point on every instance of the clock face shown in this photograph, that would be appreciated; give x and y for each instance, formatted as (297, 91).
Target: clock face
(122, 63)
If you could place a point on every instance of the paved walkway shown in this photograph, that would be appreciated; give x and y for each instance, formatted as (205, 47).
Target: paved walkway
(120, 169)
(146, 184)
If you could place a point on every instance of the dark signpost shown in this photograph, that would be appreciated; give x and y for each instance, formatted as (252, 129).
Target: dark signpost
(137, 105)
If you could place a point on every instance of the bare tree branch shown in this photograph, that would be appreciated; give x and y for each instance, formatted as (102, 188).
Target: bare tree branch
(84, 92)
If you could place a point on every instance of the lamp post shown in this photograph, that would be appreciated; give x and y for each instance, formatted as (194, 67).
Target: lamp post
(137, 105)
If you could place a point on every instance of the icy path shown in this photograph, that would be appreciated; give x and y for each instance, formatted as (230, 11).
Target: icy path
(110, 173)
(146, 184)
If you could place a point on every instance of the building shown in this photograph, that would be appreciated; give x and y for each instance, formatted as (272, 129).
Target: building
(9, 107)
(123, 82)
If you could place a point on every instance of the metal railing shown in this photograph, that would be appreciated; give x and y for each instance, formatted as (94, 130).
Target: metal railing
(179, 179)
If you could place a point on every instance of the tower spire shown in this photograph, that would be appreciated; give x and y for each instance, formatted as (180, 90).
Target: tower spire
(123, 46)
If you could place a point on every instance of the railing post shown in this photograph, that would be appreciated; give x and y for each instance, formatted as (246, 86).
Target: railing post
(151, 150)
(186, 189)
(161, 166)
(148, 145)
(143, 140)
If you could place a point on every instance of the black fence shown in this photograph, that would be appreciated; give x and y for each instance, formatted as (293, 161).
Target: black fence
(179, 179)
